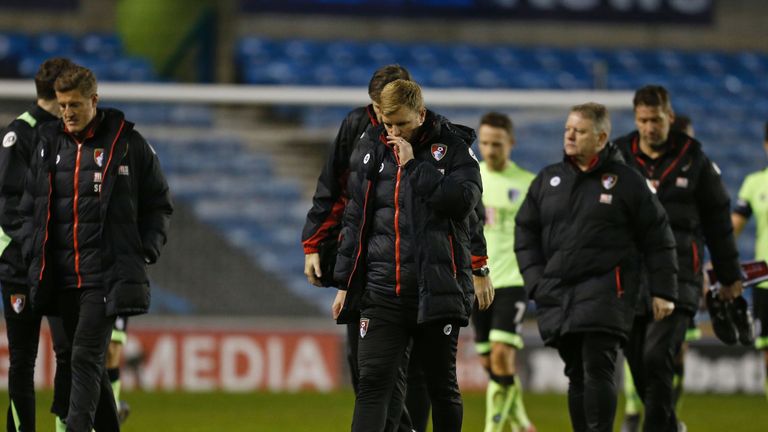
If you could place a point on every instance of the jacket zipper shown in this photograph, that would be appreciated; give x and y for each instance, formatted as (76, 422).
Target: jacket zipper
(112, 153)
(360, 236)
(47, 224)
(397, 224)
(695, 250)
(397, 232)
(76, 219)
(619, 288)
(453, 257)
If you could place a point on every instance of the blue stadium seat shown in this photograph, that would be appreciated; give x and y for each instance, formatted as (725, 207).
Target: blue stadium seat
(54, 44)
(278, 72)
(105, 46)
(382, 53)
(28, 65)
(344, 53)
(132, 69)
(251, 48)
(13, 45)
(303, 52)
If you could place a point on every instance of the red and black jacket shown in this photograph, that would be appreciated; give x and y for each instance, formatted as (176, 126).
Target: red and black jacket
(131, 218)
(424, 221)
(691, 190)
(19, 140)
(579, 239)
(330, 198)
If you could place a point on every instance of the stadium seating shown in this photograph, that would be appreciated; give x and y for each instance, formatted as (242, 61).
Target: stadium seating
(21, 54)
(234, 190)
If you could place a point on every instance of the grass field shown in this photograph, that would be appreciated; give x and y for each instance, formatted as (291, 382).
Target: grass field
(197, 412)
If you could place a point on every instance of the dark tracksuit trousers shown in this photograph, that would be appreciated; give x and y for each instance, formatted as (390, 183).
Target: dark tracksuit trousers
(92, 404)
(390, 330)
(23, 332)
(650, 352)
(395, 423)
(590, 365)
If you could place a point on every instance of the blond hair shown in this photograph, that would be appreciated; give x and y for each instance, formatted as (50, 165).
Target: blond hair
(401, 93)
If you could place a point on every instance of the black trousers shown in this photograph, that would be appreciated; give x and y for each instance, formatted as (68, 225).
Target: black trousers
(417, 401)
(590, 365)
(651, 352)
(388, 329)
(91, 403)
(23, 332)
(395, 422)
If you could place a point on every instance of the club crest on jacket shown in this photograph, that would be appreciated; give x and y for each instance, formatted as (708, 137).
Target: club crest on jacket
(98, 156)
(609, 180)
(18, 301)
(364, 326)
(439, 151)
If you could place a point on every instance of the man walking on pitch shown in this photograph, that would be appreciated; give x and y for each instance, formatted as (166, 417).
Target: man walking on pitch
(97, 209)
(580, 235)
(753, 200)
(22, 323)
(497, 329)
(689, 187)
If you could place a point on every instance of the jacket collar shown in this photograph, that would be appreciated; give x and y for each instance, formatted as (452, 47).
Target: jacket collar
(607, 154)
(40, 114)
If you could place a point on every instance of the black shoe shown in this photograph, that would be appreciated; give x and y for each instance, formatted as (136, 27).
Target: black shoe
(724, 328)
(123, 410)
(742, 319)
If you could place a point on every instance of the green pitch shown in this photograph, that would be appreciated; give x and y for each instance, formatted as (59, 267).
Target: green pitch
(266, 412)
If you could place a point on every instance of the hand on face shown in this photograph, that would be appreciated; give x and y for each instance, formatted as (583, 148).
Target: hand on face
(403, 148)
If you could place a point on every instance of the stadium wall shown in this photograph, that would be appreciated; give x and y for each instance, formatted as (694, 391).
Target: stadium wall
(738, 25)
(292, 355)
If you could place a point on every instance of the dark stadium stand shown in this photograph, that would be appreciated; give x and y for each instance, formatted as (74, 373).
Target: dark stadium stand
(21, 54)
(254, 246)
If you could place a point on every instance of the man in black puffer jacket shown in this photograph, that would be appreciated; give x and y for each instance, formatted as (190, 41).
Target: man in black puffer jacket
(404, 255)
(322, 228)
(97, 209)
(579, 237)
(22, 323)
(689, 187)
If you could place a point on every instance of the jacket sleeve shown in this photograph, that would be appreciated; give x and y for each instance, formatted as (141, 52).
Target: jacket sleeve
(714, 205)
(478, 247)
(529, 248)
(154, 199)
(14, 162)
(454, 194)
(27, 203)
(352, 223)
(655, 240)
(330, 195)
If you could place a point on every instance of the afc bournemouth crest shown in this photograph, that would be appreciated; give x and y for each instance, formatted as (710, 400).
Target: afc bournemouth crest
(609, 180)
(364, 327)
(438, 151)
(98, 156)
(18, 301)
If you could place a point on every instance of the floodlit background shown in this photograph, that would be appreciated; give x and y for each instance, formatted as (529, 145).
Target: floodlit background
(242, 98)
